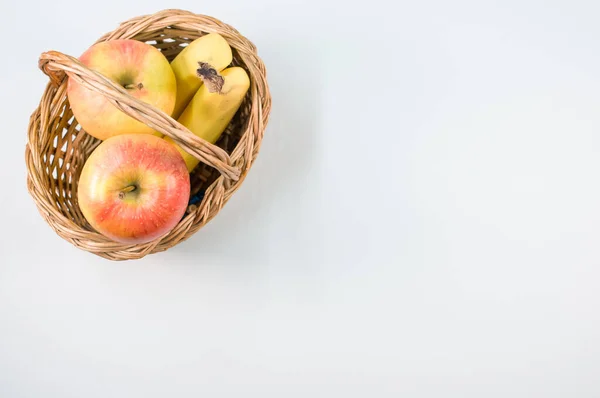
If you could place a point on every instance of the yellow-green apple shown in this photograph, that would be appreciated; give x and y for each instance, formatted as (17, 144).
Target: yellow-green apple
(139, 68)
(134, 188)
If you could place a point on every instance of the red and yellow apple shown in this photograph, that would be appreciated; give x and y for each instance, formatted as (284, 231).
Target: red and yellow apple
(139, 68)
(134, 188)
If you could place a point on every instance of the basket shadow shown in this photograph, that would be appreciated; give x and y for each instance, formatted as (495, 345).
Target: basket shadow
(258, 215)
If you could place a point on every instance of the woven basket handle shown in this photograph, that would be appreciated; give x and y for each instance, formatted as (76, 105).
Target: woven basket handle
(57, 66)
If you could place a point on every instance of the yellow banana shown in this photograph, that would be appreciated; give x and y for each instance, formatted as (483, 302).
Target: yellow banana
(200, 56)
(208, 114)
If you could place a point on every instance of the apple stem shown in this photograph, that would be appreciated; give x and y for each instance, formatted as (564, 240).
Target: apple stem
(125, 190)
(139, 86)
(210, 77)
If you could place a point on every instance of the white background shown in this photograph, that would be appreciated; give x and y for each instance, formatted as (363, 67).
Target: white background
(423, 219)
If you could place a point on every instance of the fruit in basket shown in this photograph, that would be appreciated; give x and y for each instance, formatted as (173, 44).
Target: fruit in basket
(196, 62)
(140, 69)
(134, 188)
(208, 114)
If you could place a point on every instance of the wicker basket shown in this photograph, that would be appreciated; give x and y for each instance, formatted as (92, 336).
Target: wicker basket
(57, 147)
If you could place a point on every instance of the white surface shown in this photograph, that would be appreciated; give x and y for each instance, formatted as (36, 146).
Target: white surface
(423, 220)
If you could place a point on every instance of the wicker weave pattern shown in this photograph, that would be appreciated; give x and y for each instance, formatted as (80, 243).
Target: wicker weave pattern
(57, 146)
